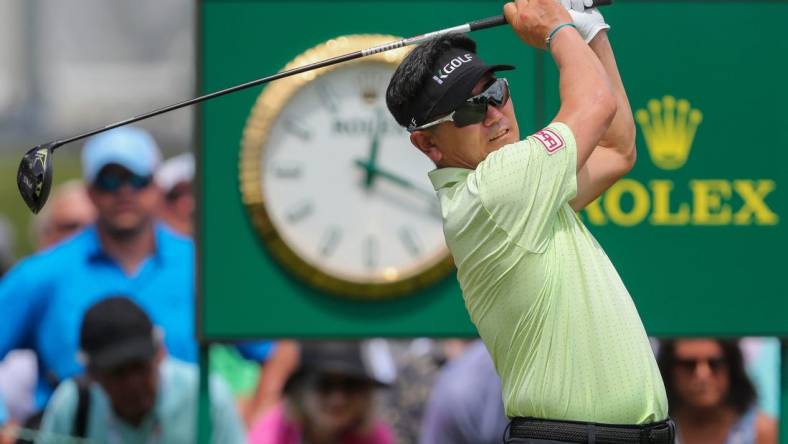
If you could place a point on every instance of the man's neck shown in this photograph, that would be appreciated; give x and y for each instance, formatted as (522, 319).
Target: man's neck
(129, 249)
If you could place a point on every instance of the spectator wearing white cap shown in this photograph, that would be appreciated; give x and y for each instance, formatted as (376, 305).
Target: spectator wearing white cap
(175, 179)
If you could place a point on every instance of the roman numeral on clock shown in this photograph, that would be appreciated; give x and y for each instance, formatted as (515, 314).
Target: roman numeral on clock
(296, 128)
(299, 211)
(328, 97)
(330, 240)
(371, 252)
(287, 169)
(410, 241)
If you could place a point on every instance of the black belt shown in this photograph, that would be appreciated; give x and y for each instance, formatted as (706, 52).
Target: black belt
(663, 432)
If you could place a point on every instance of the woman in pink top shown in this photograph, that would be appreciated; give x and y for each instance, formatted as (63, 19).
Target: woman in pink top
(328, 400)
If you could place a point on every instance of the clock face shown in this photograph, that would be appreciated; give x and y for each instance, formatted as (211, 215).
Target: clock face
(344, 196)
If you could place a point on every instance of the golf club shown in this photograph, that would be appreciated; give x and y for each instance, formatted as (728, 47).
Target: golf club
(34, 177)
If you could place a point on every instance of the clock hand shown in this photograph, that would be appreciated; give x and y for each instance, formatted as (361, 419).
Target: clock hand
(369, 178)
(393, 178)
(430, 197)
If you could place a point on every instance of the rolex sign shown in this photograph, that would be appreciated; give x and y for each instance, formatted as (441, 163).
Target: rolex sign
(669, 128)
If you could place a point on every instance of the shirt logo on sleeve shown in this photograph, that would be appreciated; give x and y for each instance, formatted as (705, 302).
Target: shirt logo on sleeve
(551, 141)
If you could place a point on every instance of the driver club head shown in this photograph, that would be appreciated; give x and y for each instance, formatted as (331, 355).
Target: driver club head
(34, 177)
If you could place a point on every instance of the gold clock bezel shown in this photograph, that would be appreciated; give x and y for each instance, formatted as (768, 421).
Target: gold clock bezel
(267, 108)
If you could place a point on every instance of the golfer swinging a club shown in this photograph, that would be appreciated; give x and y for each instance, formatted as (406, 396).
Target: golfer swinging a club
(573, 356)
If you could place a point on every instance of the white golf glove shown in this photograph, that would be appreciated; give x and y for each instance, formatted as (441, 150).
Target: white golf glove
(589, 21)
(577, 5)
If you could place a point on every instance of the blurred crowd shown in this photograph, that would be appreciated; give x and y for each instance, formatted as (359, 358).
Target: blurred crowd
(98, 342)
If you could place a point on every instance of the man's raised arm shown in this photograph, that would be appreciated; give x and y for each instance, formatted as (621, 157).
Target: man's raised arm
(615, 154)
(587, 100)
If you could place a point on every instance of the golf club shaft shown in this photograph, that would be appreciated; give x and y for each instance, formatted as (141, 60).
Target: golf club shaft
(467, 27)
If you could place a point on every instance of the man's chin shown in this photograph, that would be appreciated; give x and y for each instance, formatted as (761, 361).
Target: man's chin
(499, 143)
(125, 227)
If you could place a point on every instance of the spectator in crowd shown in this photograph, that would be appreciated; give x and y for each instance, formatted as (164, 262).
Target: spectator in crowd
(67, 211)
(17, 370)
(411, 366)
(711, 398)
(17, 385)
(175, 179)
(328, 400)
(762, 361)
(125, 252)
(273, 376)
(134, 392)
(463, 413)
(256, 387)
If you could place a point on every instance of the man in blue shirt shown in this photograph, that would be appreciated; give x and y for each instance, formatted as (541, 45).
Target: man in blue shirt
(127, 251)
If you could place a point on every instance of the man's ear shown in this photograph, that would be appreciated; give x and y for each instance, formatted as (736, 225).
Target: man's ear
(425, 142)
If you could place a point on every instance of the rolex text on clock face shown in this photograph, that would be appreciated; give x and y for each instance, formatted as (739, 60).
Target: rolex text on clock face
(342, 185)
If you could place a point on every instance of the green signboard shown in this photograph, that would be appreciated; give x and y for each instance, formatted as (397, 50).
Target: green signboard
(257, 282)
(695, 230)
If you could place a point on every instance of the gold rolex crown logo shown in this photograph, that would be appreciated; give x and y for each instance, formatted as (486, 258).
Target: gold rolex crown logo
(669, 128)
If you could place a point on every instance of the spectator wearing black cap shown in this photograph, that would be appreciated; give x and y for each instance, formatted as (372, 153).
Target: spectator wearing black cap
(134, 392)
(328, 400)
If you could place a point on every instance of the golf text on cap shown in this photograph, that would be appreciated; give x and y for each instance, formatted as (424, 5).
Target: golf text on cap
(450, 67)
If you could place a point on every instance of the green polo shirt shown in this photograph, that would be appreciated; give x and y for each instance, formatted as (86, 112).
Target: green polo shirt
(173, 420)
(559, 323)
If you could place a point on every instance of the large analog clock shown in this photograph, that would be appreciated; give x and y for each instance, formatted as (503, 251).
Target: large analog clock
(331, 183)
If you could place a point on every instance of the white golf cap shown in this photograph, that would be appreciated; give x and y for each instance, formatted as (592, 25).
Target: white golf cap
(175, 170)
(130, 147)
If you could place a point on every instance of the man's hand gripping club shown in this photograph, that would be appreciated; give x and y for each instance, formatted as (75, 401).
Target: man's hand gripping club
(587, 100)
(534, 20)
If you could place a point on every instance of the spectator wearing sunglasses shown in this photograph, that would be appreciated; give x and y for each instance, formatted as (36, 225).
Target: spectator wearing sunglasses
(328, 400)
(558, 321)
(711, 397)
(126, 251)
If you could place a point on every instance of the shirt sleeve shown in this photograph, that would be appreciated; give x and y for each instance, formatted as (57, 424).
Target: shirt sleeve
(257, 351)
(524, 185)
(227, 425)
(22, 298)
(58, 420)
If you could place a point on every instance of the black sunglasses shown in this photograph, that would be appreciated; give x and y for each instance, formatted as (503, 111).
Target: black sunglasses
(690, 365)
(327, 384)
(111, 182)
(474, 109)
